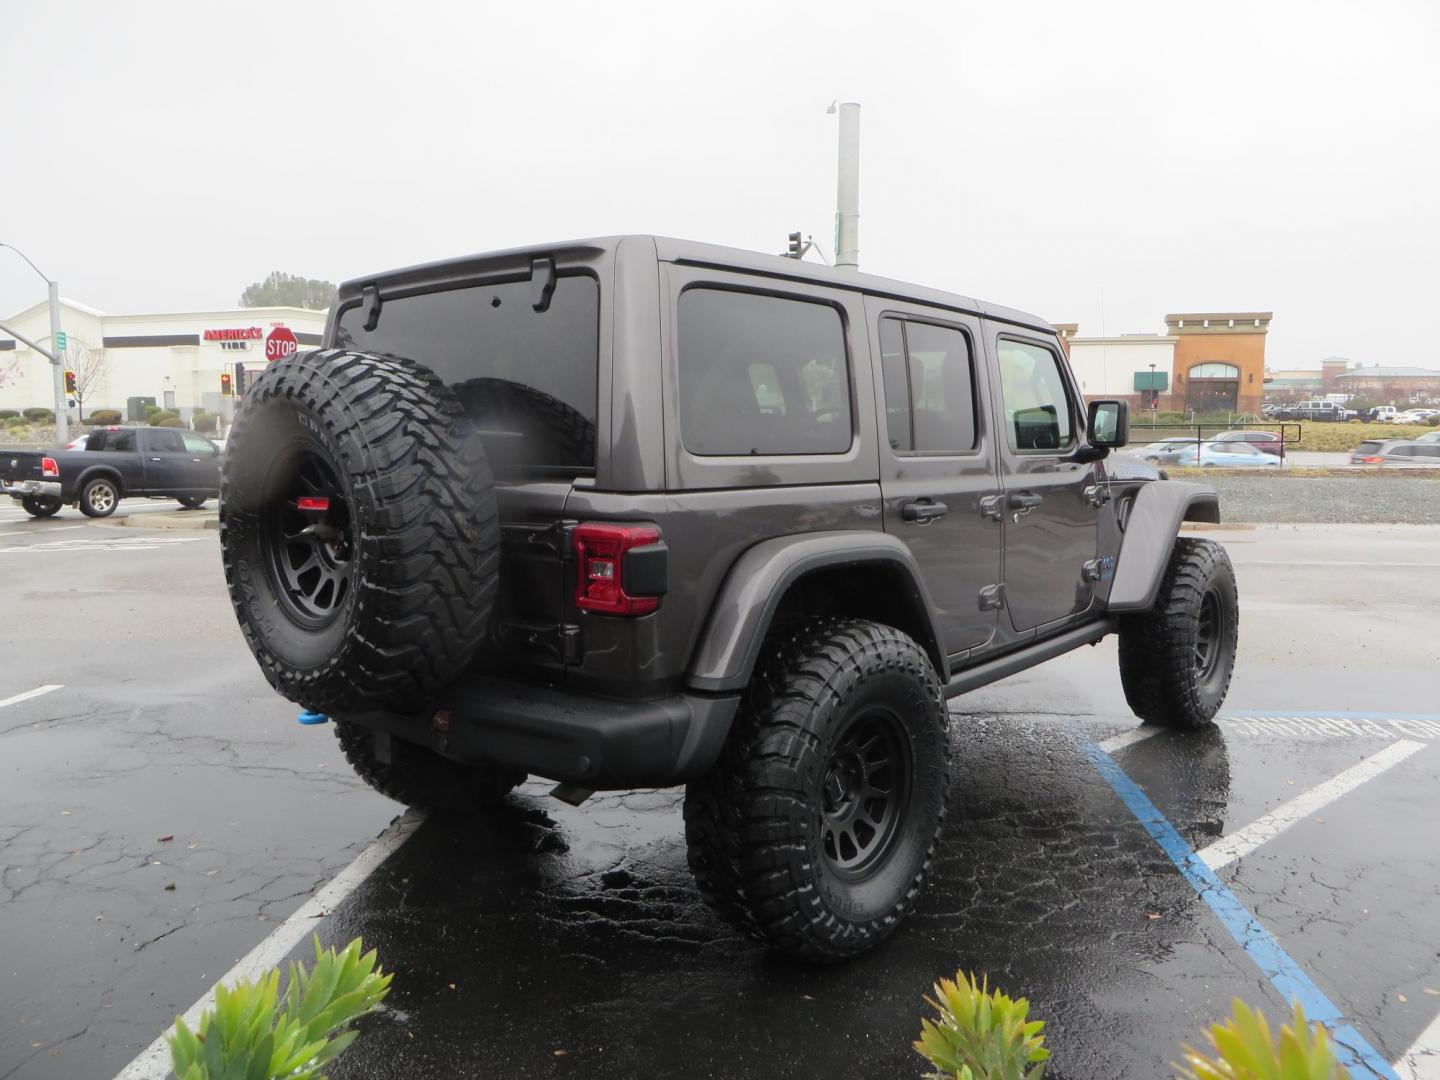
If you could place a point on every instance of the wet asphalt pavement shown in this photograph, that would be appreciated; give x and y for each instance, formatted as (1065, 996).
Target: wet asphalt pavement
(556, 941)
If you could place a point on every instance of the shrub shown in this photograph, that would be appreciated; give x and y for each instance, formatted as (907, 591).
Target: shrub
(156, 418)
(1433, 421)
(40, 416)
(204, 421)
(151, 410)
(16, 422)
(102, 417)
(1245, 1050)
(253, 1033)
(168, 421)
(8, 414)
(981, 1034)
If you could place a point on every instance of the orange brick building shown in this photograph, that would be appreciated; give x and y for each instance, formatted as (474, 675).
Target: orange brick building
(1219, 361)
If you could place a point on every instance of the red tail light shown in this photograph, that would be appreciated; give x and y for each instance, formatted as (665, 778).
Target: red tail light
(49, 467)
(1372, 461)
(600, 580)
(313, 502)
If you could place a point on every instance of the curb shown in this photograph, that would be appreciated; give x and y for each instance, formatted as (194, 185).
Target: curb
(179, 520)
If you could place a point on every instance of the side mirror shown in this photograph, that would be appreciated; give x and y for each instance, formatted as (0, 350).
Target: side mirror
(1108, 424)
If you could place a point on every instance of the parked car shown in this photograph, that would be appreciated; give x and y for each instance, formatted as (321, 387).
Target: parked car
(1265, 441)
(1321, 411)
(1380, 414)
(115, 463)
(1153, 452)
(1416, 416)
(435, 532)
(1221, 455)
(1421, 451)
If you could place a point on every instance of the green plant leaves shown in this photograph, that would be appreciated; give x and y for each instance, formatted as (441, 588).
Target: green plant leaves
(981, 1035)
(1246, 1050)
(251, 1035)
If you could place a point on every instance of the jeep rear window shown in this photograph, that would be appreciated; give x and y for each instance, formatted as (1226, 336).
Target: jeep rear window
(761, 375)
(527, 378)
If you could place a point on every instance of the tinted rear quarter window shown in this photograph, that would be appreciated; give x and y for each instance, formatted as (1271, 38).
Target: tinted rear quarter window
(761, 375)
(527, 378)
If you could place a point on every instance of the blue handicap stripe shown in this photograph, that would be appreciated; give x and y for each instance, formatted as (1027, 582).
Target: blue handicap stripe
(1362, 1059)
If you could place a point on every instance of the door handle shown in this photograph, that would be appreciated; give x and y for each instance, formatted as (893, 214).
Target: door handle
(922, 511)
(1024, 501)
(157, 459)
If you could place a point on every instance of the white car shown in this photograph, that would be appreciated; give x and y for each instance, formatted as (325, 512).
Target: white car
(1416, 416)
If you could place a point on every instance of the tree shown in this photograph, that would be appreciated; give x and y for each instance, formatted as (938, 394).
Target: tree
(290, 290)
(88, 366)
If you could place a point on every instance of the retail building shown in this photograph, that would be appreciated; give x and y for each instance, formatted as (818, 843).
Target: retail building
(181, 360)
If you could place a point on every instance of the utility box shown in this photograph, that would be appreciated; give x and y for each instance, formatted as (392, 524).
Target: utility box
(135, 408)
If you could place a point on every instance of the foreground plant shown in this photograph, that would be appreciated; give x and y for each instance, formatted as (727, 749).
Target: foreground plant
(254, 1034)
(1245, 1050)
(980, 1034)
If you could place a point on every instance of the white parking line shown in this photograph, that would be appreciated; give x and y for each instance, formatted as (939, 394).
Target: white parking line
(1128, 738)
(1422, 1060)
(154, 1061)
(30, 694)
(39, 532)
(1240, 843)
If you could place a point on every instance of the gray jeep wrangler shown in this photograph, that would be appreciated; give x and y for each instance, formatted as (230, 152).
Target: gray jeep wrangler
(638, 512)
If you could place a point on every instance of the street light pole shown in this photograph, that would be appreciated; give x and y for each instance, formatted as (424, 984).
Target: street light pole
(57, 358)
(847, 190)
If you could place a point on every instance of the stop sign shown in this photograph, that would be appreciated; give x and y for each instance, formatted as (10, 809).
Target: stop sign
(280, 343)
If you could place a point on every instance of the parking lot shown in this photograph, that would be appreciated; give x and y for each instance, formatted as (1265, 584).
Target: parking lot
(162, 815)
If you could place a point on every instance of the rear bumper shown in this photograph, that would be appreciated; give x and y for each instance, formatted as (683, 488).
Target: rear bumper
(593, 742)
(21, 488)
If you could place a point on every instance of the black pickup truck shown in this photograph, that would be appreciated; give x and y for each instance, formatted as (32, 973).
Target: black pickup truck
(114, 463)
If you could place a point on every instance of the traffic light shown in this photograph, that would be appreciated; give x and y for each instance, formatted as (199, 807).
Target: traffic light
(242, 378)
(69, 382)
(797, 246)
(227, 388)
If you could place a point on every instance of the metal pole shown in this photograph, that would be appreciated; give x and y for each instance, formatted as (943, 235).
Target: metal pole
(57, 361)
(847, 193)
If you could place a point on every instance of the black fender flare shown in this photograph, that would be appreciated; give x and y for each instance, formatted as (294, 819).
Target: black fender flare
(1151, 526)
(750, 594)
(108, 471)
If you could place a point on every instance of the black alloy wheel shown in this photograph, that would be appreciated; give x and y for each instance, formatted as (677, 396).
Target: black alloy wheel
(864, 792)
(308, 537)
(1209, 635)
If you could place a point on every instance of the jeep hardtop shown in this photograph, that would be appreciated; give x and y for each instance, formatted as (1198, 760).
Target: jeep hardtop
(640, 512)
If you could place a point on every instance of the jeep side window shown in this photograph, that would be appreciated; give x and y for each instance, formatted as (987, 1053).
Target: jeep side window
(761, 375)
(1037, 409)
(929, 387)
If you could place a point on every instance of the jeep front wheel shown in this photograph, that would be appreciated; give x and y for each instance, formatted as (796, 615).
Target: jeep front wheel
(1177, 658)
(814, 831)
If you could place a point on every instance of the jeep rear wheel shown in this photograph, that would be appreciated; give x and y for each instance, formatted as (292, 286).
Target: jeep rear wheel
(814, 831)
(418, 777)
(1176, 659)
(358, 531)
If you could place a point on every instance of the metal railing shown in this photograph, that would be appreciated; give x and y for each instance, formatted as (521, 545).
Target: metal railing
(1142, 433)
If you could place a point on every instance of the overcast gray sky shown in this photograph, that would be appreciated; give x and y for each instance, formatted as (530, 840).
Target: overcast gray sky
(1183, 157)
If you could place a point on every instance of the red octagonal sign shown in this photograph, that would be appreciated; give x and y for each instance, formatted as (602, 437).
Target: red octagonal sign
(280, 343)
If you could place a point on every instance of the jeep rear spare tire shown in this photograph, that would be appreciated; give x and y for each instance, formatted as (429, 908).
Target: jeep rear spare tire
(358, 531)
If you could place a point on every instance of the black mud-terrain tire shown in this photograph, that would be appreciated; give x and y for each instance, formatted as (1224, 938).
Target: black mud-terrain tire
(758, 827)
(191, 502)
(99, 497)
(1176, 659)
(40, 506)
(418, 777)
(414, 551)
